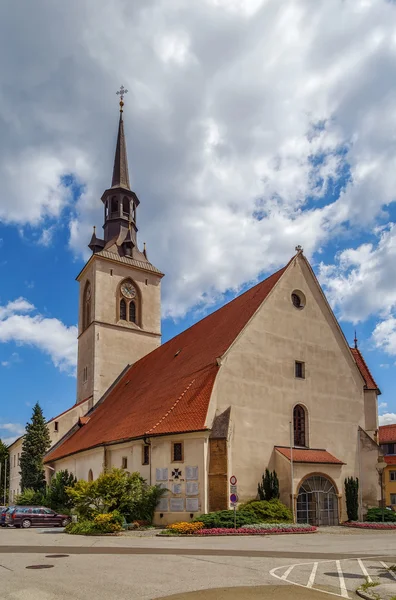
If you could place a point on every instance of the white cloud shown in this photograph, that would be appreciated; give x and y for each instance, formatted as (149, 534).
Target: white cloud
(384, 335)
(15, 429)
(241, 115)
(49, 335)
(387, 419)
(361, 281)
(46, 236)
(382, 405)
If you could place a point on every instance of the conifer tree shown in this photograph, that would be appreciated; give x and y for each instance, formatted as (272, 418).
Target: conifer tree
(4, 467)
(36, 443)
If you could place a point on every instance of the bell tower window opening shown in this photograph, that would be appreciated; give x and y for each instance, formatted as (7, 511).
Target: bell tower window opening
(86, 309)
(114, 206)
(125, 206)
(123, 310)
(132, 312)
(299, 426)
(128, 302)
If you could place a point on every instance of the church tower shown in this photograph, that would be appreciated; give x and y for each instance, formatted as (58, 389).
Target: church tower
(120, 290)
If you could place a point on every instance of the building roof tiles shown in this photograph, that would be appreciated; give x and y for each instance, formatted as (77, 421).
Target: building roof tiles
(308, 455)
(168, 390)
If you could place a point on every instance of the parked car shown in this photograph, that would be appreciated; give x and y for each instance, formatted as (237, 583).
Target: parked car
(26, 516)
(3, 511)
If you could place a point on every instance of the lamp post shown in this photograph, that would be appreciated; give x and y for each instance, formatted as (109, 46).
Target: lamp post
(380, 466)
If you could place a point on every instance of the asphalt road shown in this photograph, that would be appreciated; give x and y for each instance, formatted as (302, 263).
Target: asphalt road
(145, 568)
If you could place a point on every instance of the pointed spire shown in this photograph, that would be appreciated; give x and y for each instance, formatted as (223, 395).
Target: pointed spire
(355, 340)
(120, 170)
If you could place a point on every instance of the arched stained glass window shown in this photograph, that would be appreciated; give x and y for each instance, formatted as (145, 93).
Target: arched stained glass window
(299, 425)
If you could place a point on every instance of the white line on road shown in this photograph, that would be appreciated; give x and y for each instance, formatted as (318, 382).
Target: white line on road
(364, 570)
(311, 579)
(344, 592)
(287, 572)
(387, 568)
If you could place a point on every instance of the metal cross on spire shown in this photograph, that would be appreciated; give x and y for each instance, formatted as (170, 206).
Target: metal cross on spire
(121, 92)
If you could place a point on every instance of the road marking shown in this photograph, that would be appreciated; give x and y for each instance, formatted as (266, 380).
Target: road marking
(311, 579)
(387, 568)
(287, 572)
(344, 592)
(364, 570)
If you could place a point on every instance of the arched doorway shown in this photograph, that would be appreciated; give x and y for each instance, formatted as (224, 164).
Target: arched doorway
(317, 501)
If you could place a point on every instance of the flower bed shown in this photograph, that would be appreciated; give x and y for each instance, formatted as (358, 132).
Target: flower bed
(369, 525)
(254, 529)
(257, 530)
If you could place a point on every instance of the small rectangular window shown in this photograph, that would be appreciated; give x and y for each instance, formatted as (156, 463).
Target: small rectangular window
(299, 369)
(14, 460)
(177, 452)
(56, 426)
(124, 462)
(146, 455)
(393, 498)
(392, 475)
(19, 459)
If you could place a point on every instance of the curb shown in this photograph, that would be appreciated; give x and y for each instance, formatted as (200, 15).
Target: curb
(366, 596)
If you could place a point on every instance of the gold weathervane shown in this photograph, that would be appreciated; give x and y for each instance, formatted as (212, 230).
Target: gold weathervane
(121, 92)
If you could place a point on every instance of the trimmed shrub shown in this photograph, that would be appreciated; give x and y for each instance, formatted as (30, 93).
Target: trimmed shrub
(267, 511)
(102, 523)
(374, 515)
(56, 495)
(185, 527)
(225, 519)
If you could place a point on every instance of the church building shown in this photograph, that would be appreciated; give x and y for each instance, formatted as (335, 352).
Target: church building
(266, 381)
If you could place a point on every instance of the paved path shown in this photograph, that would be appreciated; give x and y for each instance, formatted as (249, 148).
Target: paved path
(336, 577)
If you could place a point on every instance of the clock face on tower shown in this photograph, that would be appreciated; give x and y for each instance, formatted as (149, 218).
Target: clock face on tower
(128, 290)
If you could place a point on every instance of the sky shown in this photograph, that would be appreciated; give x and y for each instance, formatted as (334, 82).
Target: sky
(252, 126)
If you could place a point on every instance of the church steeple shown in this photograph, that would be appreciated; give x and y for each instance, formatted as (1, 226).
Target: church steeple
(120, 202)
(120, 170)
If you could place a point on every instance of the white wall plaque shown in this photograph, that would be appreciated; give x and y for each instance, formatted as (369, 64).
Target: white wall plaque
(162, 505)
(176, 504)
(191, 472)
(176, 488)
(192, 505)
(192, 488)
(161, 474)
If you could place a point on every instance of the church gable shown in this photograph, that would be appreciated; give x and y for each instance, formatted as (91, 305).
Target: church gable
(291, 352)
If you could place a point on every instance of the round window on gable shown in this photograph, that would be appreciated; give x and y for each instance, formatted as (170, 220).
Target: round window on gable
(298, 299)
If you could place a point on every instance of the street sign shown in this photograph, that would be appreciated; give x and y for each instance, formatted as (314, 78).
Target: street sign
(233, 489)
(233, 498)
(233, 480)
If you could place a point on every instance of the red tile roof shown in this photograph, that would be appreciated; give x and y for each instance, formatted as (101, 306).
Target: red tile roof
(168, 391)
(302, 455)
(363, 368)
(390, 459)
(387, 433)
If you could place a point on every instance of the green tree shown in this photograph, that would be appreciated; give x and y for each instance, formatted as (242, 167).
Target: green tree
(268, 488)
(352, 498)
(116, 490)
(36, 443)
(4, 468)
(57, 498)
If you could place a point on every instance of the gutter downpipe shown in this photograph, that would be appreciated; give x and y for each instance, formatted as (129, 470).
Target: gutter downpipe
(292, 471)
(360, 477)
